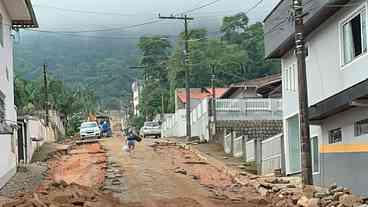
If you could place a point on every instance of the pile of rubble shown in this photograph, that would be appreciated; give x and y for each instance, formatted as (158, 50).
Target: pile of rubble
(62, 194)
(334, 196)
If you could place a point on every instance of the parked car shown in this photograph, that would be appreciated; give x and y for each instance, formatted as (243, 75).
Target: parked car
(89, 130)
(151, 128)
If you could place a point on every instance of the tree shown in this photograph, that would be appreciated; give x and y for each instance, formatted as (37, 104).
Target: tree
(155, 55)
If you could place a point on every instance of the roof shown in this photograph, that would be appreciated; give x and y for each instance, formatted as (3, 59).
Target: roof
(316, 12)
(199, 93)
(256, 83)
(21, 13)
(273, 10)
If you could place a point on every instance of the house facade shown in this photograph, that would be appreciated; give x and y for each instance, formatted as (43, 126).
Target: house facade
(14, 14)
(336, 50)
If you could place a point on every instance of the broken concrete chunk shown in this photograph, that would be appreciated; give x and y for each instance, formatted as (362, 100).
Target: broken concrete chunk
(181, 171)
(350, 200)
(303, 202)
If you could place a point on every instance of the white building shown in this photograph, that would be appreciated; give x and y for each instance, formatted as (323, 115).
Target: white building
(14, 14)
(337, 76)
(136, 88)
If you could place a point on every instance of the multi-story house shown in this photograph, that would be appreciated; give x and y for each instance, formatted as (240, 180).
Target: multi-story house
(337, 77)
(14, 14)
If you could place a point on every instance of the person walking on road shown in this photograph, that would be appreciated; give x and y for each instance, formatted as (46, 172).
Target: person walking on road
(131, 140)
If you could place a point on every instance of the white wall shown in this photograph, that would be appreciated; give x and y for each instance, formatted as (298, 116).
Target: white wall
(6, 64)
(8, 156)
(345, 121)
(175, 125)
(36, 129)
(200, 120)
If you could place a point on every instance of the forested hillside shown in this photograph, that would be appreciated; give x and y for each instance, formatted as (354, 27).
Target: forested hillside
(101, 65)
(98, 64)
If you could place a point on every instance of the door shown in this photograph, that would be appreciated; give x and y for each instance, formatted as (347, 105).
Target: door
(294, 144)
(20, 143)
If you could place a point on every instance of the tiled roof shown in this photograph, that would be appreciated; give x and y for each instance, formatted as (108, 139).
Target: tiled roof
(199, 93)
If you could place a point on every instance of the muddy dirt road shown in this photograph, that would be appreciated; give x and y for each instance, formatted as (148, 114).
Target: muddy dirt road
(153, 178)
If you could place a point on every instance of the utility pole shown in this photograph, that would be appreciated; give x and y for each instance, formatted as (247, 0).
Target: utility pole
(46, 94)
(214, 118)
(306, 160)
(186, 65)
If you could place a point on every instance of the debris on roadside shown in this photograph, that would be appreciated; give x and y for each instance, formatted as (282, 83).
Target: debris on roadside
(275, 190)
(62, 194)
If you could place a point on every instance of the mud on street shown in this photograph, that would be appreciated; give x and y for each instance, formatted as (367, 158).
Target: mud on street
(158, 174)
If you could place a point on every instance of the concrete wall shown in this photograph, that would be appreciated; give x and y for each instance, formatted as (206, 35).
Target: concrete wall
(175, 125)
(200, 120)
(8, 161)
(7, 142)
(36, 129)
(272, 154)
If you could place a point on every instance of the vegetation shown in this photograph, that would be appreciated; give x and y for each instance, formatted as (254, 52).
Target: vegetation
(30, 99)
(237, 55)
(97, 64)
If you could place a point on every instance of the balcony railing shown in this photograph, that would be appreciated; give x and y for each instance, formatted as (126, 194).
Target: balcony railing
(249, 109)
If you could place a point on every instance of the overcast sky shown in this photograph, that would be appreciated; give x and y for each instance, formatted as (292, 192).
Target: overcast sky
(72, 15)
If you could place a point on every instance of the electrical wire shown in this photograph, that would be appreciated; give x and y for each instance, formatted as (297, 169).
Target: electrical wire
(201, 7)
(246, 12)
(110, 29)
(84, 11)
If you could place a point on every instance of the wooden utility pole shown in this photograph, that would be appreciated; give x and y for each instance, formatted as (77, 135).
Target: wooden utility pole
(306, 160)
(46, 94)
(186, 65)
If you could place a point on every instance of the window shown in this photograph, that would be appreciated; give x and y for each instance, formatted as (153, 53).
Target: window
(354, 37)
(1, 31)
(315, 154)
(361, 127)
(287, 78)
(290, 78)
(335, 136)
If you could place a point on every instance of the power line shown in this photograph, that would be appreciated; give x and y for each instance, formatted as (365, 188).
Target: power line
(201, 7)
(84, 11)
(246, 12)
(112, 29)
